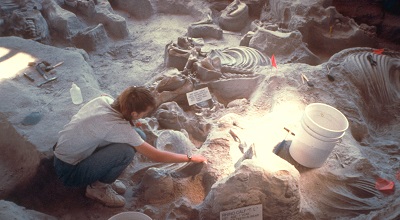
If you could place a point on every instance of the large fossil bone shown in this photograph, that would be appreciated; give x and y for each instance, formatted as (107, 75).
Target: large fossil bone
(234, 17)
(239, 59)
(377, 75)
(29, 24)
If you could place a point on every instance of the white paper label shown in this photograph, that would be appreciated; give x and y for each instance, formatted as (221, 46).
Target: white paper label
(199, 95)
(246, 213)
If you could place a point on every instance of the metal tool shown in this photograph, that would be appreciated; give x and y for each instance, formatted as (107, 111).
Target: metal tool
(371, 60)
(303, 77)
(29, 77)
(48, 68)
(39, 68)
(279, 147)
(330, 77)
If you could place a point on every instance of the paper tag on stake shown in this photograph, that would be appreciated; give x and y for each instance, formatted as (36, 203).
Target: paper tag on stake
(253, 212)
(198, 96)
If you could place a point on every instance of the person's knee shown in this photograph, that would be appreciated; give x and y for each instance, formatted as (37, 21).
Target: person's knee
(124, 152)
(127, 150)
(131, 151)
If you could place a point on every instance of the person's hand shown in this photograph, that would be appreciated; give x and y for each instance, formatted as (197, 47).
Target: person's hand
(138, 124)
(198, 159)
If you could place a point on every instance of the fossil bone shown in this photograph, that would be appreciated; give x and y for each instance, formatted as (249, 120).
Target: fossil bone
(239, 59)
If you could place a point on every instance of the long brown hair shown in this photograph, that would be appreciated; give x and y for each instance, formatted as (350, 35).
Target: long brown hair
(134, 99)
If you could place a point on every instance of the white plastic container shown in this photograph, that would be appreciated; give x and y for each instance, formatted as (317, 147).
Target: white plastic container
(322, 127)
(325, 120)
(130, 216)
(76, 94)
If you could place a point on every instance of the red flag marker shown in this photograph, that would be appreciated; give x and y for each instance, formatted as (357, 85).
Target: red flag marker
(378, 51)
(384, 185)
(273, 62)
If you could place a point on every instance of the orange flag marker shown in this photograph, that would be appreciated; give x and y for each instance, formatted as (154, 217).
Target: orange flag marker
(273, 62)
(378, 51)
(384, 185)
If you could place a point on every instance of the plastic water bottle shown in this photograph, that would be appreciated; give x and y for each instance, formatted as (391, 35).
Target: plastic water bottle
(76, 94)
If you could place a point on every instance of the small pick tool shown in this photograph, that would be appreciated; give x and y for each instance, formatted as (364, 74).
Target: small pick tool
(48, 68)
(329, 75)
(304, 77)
(40, 68)
(280, 146)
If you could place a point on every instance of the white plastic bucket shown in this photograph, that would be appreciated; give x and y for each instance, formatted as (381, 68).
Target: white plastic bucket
(325, 120)
(322, 127)
(130, 216)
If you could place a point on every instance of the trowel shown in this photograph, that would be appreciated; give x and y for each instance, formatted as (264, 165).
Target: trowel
(39, 68)
(280, 146)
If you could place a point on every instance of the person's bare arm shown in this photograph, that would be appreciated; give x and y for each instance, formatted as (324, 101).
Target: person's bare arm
(165, 156)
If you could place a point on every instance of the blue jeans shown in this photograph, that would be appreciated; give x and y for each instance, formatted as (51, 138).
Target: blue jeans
(106, 164)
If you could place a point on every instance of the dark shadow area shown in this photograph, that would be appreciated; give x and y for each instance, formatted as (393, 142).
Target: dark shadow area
(284, 154)
(45, 193)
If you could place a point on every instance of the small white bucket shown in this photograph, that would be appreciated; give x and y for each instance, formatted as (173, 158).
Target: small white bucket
(322, 127)
(130, 216)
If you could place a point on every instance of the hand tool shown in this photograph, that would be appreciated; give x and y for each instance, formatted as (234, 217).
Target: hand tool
(28, 77)
(39, 68)
(330, 77)
(279, 147)
(371, 60)
(35, 63)
(308, 82)
(48, 68)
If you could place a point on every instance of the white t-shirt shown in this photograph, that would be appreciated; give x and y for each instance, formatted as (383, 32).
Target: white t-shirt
(96, 124)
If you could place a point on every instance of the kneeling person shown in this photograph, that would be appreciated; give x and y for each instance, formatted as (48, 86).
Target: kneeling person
(99, 142)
